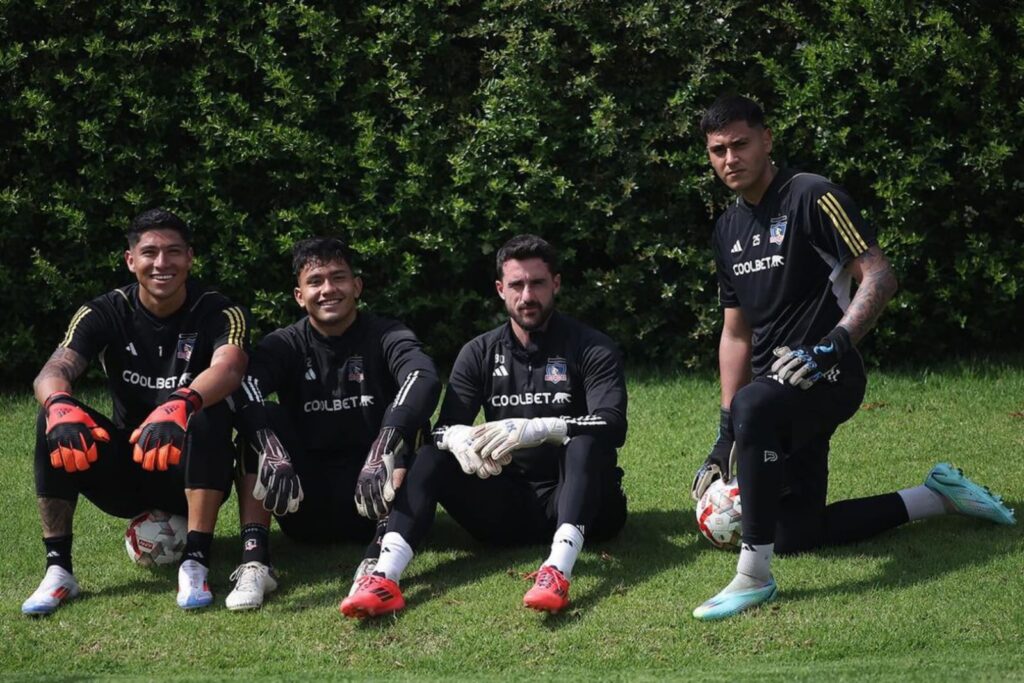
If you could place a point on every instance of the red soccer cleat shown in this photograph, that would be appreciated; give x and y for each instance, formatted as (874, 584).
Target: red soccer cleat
(550, 592)
(374, 596)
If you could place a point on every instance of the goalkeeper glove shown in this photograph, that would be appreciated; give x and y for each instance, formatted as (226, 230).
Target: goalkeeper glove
(71, 433)
(496, 440)
(720, 462)
(375, 488)
(160, 438)
(805, 365)
(277, 483)
(459, 441)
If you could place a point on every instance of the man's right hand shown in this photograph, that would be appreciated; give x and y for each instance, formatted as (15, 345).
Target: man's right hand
(277, 483)
(719, 463)
(459, 441)
(71, 433)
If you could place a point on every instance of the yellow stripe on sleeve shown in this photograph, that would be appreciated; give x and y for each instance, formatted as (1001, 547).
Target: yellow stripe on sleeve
(844, 226)
(75, 320)
(236, 326)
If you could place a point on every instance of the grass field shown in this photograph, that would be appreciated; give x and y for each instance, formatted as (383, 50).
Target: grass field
(939, 599)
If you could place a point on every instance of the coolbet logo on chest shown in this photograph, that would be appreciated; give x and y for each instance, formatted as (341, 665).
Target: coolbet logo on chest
(757, 265)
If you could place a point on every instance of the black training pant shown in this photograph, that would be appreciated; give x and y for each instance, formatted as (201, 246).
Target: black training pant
(782, 443)
(512, 509)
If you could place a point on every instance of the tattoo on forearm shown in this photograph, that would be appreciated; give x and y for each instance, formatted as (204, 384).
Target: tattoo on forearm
(873, 293)
(56, 515)
(63, 364)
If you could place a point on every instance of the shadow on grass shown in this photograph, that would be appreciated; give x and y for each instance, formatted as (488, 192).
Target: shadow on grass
(919, 552)
(641, 551)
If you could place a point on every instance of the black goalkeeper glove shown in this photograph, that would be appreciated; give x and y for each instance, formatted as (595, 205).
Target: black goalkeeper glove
(719, 462)
(277, 483)
(375, 487)
(805, 365)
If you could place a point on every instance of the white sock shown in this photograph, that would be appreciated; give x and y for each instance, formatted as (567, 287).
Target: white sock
(921, 502)
(395, 556)
(754, 568)
(565, 548)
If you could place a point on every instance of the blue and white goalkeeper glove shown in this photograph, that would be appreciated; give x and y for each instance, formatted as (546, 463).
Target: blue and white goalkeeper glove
(805, 365)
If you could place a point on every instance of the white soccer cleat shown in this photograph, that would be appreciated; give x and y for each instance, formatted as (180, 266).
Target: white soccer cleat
(365, 568)
(193, 589)
(253, 580)
(58, 585)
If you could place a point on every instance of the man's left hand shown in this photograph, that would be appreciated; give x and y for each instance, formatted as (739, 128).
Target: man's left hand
(160, 439)
(381, 475)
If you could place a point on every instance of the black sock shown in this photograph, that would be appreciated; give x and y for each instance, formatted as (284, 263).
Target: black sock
(58, 552)
(372, 551)
(197, 547)
(256, 544)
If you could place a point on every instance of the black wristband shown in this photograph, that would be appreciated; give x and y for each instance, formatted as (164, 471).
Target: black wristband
(725, 425)
(840, 340)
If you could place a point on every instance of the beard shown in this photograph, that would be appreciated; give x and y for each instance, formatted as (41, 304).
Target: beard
(539, 319)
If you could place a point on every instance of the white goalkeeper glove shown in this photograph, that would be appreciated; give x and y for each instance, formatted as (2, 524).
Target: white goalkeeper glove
(496, 440)
(459, 441)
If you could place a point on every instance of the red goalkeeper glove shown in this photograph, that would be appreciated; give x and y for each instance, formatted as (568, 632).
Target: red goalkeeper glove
(71, 433)
(160, 438)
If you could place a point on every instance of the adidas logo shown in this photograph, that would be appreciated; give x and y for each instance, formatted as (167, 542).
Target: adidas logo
(131, 349)
(310, 375)
(501, 371)
(736, 248)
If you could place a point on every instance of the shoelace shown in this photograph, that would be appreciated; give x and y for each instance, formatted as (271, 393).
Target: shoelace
(546, 577)
(248, 577)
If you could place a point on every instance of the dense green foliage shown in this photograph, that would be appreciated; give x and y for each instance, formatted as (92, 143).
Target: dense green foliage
(428, 131)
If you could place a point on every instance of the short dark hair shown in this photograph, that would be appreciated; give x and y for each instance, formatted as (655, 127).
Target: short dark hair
(156, 219)
(728, 109)
(522, 247)
(320, 250)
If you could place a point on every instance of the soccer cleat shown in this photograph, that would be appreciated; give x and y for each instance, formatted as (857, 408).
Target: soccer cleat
(550, 592)
(365, 568)
(193, 590)
(966, 496)
(375, 595)
(58, 585)
(727, 604)
(253, 580)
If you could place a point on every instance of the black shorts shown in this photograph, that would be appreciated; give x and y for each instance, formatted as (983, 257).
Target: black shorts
(120, 487)
(327, 513)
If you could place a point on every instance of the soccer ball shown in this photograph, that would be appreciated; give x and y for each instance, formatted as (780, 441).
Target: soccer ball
(156, 538)
(718, 514)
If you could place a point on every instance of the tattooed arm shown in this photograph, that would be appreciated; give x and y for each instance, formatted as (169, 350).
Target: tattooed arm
(876, 284)
(63, 368)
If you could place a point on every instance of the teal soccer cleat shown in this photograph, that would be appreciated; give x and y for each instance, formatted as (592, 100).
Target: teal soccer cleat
(727, 604)
(967, 497)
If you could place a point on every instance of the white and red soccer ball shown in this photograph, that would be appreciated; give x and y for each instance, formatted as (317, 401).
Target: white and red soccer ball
(719, 512)
(156, 538)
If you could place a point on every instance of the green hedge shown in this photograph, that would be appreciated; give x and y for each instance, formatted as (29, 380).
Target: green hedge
(428, 132)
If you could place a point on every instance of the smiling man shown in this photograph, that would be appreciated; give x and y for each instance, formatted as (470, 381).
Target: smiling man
(788, 253)
(544, 464)
(356, 393)
(171, 350)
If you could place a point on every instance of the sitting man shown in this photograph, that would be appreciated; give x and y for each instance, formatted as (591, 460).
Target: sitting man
(554, 394)
(356, 393)
(172, 351)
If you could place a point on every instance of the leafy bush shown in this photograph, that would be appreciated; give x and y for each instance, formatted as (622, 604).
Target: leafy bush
(429, 131)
